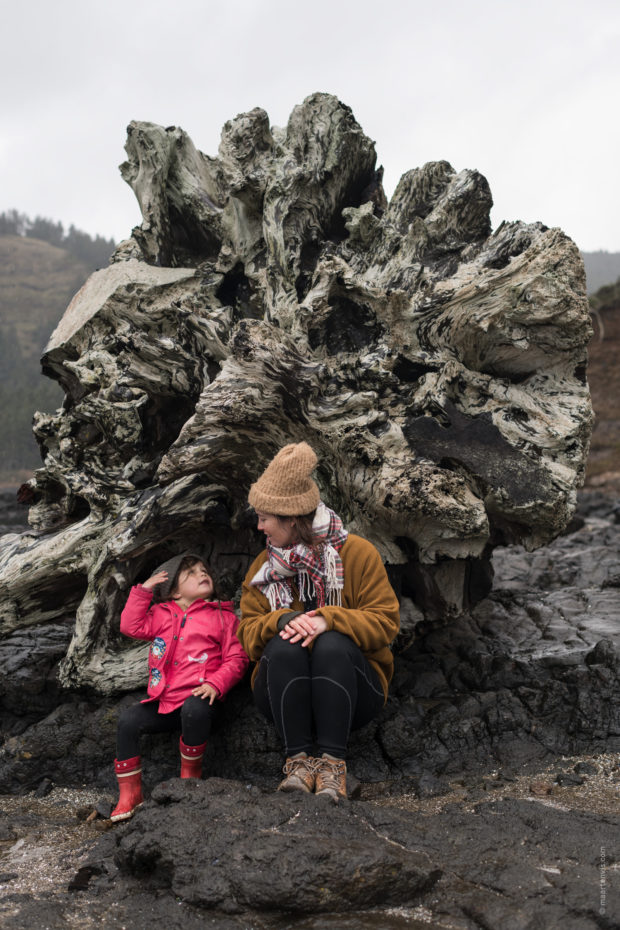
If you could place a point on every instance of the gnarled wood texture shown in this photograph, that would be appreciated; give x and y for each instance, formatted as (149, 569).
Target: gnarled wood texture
(270, 295)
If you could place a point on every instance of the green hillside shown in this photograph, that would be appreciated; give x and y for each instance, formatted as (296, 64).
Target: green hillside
(37, 281)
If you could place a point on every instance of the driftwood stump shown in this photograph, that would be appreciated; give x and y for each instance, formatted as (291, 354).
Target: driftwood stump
(270, 295)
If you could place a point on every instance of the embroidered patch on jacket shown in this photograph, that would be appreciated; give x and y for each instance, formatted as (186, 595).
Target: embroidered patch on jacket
(158, 647)
(155, 677)
(202, 658)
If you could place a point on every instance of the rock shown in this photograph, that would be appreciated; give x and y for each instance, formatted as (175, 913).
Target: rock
(82, 878)
(437, 367)
(604, 653)
(29, 669)
(569, 779)
(231, 850)
(315, 854)
(585, 768)
(103, 809)
(44, 788)
(427, 786)
(222, 840)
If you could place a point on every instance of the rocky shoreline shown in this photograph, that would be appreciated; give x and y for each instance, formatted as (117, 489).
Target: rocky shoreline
(555, 859)
(530, 673)
(489, 787)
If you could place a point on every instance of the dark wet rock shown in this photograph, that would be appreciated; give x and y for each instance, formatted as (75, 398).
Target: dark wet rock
(103, 808)
(605, 652)
(29, 661)
(44, 788)
(585, 768)
(515, 863)
(427, 786)
(569, 779)
(227, 848)
(222, 839)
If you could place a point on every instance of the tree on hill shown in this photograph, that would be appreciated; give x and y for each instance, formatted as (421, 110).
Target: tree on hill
(94, 252)
(41, 267)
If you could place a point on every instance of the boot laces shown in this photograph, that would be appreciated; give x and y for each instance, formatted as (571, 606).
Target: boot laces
(292, 766)
(331, 772)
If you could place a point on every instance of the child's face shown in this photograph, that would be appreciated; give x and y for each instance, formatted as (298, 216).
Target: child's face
(193, 583)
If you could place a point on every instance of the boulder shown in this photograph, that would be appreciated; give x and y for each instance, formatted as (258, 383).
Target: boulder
(222, 849)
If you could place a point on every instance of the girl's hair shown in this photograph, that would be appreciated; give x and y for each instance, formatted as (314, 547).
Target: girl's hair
(188, 562)
(303, 525)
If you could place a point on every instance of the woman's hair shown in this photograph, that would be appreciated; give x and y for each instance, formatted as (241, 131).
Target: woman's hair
(303, 525)
(188, 562)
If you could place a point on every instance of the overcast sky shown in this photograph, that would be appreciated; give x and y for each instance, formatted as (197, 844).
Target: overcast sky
(525, 91)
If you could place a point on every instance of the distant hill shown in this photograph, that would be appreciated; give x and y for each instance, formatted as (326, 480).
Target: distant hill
(93, 251)
(601, 268)
(603, 469)
(37, 281)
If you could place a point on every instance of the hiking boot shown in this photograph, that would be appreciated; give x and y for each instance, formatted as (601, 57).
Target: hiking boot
(331, 777)
(299, 773)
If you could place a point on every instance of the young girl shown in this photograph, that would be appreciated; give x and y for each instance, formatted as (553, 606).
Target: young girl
(195, 657)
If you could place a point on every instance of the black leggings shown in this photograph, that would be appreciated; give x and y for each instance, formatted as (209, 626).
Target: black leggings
(193, 719)
(332, 689)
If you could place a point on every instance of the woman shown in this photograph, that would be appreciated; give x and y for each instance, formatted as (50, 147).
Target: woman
(317, 614)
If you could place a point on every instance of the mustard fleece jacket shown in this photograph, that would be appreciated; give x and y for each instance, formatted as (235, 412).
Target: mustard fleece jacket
(369, 614)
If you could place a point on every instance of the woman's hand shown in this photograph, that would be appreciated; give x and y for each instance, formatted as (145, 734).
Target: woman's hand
(305, 627)
(159, 578)
(206, 691)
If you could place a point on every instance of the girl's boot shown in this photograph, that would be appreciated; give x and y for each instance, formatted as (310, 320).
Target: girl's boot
(129, 775)
(191, 759)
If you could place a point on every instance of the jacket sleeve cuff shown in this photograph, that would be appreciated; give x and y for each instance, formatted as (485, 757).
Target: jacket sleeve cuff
(286, 618)
(144, 593)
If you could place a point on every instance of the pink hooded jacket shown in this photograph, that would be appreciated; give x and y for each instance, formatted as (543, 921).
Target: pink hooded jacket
(188, 647)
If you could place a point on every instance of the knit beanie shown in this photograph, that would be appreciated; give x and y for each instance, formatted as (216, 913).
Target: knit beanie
(162, 592)
(285, 488)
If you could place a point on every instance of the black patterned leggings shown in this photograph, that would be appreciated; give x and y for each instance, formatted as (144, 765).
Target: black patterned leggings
(193, 719)
(328, 691)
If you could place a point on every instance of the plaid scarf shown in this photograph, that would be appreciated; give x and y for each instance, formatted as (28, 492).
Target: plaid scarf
(318, 571)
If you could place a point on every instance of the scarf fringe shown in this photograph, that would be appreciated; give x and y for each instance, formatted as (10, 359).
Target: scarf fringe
(320, 576)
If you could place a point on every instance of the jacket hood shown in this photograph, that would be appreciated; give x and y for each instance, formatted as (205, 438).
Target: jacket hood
(162, 592)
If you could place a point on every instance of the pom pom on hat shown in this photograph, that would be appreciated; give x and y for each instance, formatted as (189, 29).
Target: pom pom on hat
(285, 487)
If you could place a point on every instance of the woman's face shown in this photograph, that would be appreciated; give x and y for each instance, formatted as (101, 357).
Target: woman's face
(279, 532)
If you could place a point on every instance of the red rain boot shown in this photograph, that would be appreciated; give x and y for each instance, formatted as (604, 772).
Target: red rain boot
(191, 759)
(129, 774)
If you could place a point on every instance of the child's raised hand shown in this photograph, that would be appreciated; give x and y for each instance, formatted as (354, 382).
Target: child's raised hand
(206, 691)
(154, 580)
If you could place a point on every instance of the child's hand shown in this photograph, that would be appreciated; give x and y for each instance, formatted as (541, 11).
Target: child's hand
(206, 691)
(159, 578)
